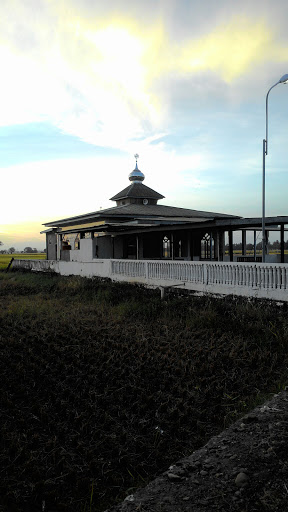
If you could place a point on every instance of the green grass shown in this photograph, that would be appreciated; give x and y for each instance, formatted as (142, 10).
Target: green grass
(6, 258)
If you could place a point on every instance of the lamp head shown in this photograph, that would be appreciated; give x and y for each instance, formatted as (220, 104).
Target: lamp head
(283, 79)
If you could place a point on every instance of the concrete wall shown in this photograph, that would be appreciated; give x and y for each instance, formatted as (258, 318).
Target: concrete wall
(85, 253)
(51, 246)
(100, 247)
(89, 249)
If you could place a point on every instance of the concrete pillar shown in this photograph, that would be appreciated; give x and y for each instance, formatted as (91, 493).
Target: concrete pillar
(282, 243)
(217, 242)
(189, 255)
(230, 235)
(244, 242)
(211, 246)
(113, 246)
(220, 238)
(59, 246)
(222, 253)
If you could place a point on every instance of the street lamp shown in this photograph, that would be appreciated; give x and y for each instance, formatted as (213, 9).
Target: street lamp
(283, 80)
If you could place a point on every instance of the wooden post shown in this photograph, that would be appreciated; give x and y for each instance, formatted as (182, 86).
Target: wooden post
(9, 264)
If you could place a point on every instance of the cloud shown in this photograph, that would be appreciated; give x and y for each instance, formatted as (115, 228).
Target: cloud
(120, 75)
(229, 50)
(95, 73)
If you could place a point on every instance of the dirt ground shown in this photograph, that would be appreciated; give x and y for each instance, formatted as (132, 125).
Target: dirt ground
(244, 469)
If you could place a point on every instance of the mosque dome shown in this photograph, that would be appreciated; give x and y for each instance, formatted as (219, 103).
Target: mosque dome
(136, 193)
(136, 175)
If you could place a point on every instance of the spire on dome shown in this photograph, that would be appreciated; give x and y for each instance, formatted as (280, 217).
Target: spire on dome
(136, 193)
(136, 156)
(136, 175)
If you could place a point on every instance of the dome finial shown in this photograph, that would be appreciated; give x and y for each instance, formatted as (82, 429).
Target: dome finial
(136, 156)
(136, 175)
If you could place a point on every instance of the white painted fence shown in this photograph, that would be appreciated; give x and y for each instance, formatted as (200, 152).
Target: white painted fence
(247, 279)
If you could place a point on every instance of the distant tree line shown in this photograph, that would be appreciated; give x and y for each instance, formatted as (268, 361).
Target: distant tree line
(250, 247)
(12, 250)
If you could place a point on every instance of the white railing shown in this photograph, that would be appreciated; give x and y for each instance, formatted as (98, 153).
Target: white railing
(255, 275)
(273, 276)
(180, 271)
(128, 268)
(249, 279)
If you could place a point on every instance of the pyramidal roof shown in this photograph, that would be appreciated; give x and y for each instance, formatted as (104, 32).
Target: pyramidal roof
(137, 189)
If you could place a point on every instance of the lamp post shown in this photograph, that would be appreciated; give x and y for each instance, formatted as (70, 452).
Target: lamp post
(283, 80)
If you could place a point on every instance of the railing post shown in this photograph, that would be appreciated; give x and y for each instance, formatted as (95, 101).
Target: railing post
(205, 273)
(254, 277)
(283, 278)
(278, 280)
(270, 284)
(251, 276)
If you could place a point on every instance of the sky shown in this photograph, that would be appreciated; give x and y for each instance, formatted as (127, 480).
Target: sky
(86, 84)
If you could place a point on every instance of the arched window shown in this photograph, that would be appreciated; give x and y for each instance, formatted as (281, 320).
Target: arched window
(166, 247)
(207, 247)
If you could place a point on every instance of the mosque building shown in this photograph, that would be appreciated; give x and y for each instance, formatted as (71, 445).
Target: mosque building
(139, 228)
